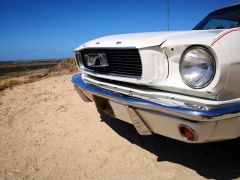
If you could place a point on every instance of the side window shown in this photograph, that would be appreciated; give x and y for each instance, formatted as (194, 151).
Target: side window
(220, 24)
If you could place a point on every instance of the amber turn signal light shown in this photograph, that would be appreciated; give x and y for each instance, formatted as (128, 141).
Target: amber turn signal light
(188, 133)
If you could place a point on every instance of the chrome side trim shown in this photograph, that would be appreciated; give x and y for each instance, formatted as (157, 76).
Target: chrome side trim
(172, 98)
(217, 113)
(111, 76)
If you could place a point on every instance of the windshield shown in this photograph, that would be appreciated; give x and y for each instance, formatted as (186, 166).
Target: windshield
(221, 19)
(220, 24)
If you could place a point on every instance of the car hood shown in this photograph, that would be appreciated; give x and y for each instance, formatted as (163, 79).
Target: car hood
(142, 40)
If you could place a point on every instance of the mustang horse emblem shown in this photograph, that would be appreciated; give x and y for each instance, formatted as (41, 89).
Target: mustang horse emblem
(96, 60)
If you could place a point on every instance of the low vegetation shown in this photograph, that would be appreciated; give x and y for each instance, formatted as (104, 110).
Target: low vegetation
(23, 73)
(28, 75)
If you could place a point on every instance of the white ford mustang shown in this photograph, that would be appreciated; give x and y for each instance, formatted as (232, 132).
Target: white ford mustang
(184, 85)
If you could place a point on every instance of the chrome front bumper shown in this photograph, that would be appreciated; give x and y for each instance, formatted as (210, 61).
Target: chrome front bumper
(163, 119)
(190, 114)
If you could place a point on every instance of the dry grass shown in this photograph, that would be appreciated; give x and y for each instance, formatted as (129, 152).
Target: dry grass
(9, 80)
(67, 66)
(23, 73)
(9, 83)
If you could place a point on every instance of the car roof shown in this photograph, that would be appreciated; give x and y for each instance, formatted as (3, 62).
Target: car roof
(224, 10)
(231, 13)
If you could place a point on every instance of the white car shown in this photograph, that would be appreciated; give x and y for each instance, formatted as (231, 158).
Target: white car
(182, 84)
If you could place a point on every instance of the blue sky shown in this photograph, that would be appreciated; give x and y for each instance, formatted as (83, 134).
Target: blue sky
(34, 29)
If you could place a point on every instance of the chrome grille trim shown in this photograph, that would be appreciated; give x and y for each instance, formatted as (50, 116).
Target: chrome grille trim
(123, 62)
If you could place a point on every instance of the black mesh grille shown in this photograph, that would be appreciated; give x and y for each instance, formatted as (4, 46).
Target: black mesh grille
(125, 62)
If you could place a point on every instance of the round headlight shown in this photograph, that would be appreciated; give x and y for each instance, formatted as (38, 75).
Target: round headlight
(197, 67)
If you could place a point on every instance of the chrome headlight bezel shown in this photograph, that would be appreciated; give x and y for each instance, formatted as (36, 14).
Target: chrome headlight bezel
(78, 59)
(213, 66)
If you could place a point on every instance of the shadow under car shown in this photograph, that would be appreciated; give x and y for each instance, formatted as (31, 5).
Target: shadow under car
(218, 160)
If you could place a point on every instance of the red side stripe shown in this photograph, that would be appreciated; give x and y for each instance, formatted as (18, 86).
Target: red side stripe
(224, 34)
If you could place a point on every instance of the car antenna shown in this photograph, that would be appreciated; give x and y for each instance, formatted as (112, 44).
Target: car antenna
(168, 18)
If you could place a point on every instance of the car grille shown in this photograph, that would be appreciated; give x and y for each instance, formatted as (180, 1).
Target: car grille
(124, 62)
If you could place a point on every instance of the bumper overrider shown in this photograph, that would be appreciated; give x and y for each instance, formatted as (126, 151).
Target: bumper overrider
(181, 123)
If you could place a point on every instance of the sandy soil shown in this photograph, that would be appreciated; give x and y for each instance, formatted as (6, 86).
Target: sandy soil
(48, 132)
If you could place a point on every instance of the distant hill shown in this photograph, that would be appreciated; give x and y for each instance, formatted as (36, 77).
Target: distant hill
(15, 73)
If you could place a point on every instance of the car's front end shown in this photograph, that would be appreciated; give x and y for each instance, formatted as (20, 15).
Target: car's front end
(182, 85)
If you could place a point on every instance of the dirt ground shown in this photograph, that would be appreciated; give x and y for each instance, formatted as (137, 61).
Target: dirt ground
(48, 132)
